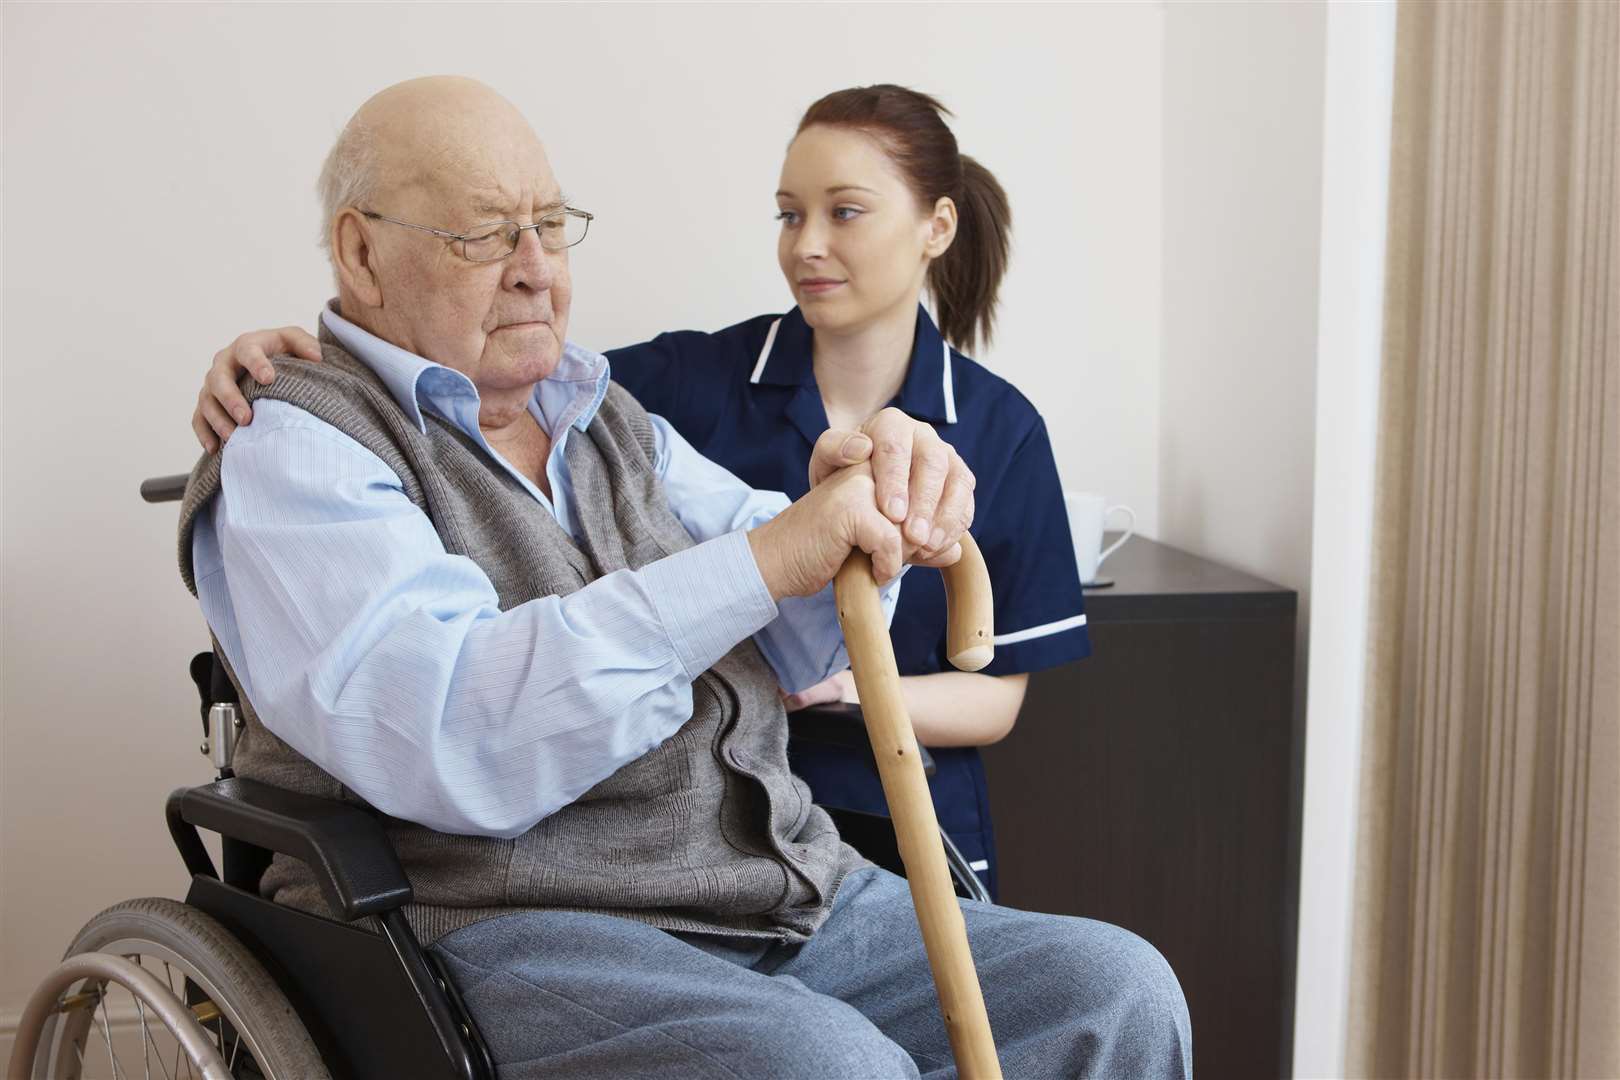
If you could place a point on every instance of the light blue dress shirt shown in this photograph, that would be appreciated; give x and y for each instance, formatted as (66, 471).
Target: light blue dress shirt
(386, 660)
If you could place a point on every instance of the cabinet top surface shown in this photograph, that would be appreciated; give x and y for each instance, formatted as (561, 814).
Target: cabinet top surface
(1155, 580)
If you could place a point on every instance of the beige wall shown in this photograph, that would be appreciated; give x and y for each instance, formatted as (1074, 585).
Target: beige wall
(159, 162)
(1242, 202)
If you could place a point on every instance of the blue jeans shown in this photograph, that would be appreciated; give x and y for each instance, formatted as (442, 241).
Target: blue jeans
(563, 995)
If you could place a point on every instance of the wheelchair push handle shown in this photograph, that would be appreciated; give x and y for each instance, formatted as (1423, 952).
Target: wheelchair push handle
(157, 489)
(970, 646)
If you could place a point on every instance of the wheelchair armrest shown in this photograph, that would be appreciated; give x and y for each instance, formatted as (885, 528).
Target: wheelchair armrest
(841, 724)
(344, 845)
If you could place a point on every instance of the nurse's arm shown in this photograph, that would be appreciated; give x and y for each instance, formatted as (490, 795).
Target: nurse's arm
(948, 708)
(963, 708)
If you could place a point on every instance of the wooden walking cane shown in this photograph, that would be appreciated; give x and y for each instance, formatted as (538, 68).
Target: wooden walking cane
(968, 642)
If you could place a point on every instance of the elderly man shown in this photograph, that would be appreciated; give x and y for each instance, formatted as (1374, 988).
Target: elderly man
(460, 576)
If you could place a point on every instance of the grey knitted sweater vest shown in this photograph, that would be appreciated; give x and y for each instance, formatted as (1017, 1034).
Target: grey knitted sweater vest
(707, 832)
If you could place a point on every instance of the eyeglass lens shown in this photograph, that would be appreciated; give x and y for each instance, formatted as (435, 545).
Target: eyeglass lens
(556, 232)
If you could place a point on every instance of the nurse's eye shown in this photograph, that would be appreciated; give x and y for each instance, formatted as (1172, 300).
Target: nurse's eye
(847, 213)
(787, 217)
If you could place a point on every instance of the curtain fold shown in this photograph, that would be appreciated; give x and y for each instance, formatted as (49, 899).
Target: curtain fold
(1488, 884)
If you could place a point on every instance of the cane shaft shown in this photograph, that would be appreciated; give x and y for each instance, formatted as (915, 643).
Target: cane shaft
(894, 745)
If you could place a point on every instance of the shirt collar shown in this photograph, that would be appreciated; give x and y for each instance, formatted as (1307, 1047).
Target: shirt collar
(569, 396)
(928, 392)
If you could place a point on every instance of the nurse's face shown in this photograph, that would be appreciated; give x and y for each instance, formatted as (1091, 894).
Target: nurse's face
(855, 245)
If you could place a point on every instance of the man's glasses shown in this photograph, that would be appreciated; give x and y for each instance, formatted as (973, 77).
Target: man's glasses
(557, 231)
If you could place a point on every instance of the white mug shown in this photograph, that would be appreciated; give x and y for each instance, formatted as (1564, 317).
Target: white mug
(1088, 511)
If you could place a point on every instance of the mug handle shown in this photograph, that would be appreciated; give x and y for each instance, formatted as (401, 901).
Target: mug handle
(1130, 530)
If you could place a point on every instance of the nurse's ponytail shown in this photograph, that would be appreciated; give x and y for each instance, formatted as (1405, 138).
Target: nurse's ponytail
(911, 127)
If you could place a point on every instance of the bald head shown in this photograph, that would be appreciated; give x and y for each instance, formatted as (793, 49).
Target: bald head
(425, 127)
(428, 131)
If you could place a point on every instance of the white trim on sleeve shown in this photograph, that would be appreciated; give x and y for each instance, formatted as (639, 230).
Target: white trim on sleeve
(1040, 631)
(949, 386)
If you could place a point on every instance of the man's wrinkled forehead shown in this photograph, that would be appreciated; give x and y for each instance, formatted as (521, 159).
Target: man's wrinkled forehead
(494, 201)
(475, 189)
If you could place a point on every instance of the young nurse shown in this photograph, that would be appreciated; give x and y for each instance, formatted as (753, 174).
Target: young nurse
(877, 207)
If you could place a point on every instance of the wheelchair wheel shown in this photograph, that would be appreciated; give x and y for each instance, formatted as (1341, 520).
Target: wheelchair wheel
(103, 1028)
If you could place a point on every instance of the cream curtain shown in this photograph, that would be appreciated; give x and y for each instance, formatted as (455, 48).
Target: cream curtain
(1487, 936)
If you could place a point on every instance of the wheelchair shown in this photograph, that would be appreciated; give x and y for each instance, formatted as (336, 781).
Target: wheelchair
(230, 985)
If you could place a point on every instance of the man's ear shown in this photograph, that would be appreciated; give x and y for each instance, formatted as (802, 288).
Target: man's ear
(941, 227)
(356, 259)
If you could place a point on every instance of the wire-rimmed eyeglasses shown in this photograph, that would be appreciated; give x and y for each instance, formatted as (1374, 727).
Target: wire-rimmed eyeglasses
(495, 240)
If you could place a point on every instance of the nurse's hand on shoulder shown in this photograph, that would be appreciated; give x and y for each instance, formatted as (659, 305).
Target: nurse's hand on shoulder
(920, 482)
(220, 404)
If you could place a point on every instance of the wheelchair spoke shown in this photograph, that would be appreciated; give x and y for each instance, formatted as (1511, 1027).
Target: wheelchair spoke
(146, 1036)
(168, 975)
(149, 1046)
(161, 1064)
(106, 1032)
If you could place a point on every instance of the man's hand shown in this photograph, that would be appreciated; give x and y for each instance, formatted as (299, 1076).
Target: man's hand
(920, 482)
(799, 550)
(220, 405)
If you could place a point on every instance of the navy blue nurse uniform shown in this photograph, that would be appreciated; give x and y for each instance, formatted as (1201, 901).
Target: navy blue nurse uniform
(746, 397)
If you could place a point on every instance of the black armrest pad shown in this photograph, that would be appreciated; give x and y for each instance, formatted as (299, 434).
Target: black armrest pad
(842, 725)
(344, 845)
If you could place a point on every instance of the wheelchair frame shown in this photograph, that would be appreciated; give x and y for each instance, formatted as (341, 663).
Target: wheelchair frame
(361, 878)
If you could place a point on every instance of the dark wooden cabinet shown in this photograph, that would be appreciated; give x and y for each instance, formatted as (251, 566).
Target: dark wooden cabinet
(1155, 785)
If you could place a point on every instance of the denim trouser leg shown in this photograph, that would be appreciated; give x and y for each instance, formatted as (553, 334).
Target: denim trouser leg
(563, 995)
(1066, 997)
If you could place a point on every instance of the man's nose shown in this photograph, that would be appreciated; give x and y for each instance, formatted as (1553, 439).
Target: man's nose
(531, 266)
